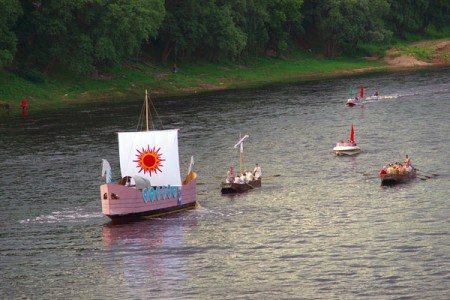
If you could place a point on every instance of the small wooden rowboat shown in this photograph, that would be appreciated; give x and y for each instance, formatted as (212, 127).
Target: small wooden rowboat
(392, 179)
(233, 188)
(241, 185)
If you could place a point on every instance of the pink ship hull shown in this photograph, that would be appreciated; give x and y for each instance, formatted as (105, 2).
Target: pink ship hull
(124, 202)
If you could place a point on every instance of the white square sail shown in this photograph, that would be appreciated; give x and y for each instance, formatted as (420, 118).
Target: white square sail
(152, 155)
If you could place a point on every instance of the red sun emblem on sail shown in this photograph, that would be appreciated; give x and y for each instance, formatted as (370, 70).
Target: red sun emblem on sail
(149, 160)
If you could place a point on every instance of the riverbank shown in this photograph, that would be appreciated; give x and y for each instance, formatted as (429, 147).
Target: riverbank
(127, 82)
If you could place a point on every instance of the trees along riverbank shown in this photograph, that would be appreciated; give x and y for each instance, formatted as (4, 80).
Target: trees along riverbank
(128, 82)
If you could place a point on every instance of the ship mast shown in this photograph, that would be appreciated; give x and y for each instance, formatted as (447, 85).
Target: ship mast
(241, 154)
(146, 108)
(240, 144)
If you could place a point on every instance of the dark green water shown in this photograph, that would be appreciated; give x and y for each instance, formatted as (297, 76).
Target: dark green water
(323, 229)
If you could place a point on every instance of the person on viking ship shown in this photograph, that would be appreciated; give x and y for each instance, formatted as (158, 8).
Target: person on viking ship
(257, 171)
(230, 176)
(243, 178)
(249, 176)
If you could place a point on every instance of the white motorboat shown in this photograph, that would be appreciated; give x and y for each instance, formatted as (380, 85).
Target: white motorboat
(349, 147)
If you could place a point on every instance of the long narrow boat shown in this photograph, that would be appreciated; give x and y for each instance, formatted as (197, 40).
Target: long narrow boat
(349, 147)
(391, 179)
(151, 183)
(232, 186)
(393, 176)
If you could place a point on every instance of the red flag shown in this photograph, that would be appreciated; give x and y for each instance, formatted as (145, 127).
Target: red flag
(352, 135)
(361, 92)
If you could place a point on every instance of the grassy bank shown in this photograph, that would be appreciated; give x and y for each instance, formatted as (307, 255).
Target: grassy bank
(128, 82)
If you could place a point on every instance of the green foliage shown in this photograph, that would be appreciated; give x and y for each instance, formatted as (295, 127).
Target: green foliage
(416, 16)
(127, 83)
(83, 35)
(252, 17)
(285, 16)
(29, 73)
(423, 53)
(225, 29)
(343, 23)
(224, 38)
(182, 29)
(10, 10)
(88, 36)
(200, 28)
(434, 33)
(371, 49)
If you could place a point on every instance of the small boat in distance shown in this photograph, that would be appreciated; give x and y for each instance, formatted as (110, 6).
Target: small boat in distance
(349, 147)
(246, 180)
(375, 96)
(353, 101)
(151, 184)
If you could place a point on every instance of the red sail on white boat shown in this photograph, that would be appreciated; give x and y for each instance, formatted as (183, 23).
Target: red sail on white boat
(349, 147)
(352, 135)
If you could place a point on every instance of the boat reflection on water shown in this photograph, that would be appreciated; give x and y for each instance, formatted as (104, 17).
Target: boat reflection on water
(151, 250)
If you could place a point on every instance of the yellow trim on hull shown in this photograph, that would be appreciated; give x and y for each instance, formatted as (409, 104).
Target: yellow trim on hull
(350, 152)
(169, 212)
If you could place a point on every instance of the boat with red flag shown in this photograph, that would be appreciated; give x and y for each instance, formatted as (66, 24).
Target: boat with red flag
(349, 147)
(150, 184)
(353, 101)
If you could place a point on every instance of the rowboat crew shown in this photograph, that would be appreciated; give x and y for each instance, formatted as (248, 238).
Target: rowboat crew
(397, 172)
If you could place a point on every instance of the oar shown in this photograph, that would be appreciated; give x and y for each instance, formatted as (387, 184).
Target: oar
(425, 176)
(270, 177)
(427, 173)
(422, 178)
(264, 177)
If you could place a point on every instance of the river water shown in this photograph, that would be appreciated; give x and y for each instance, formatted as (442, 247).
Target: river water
(321, 227)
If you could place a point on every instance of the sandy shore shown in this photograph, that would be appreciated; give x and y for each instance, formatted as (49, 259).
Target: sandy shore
(440, 57)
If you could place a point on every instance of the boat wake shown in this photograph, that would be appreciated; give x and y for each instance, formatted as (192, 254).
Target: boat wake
(65, 216)
(410, 94)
